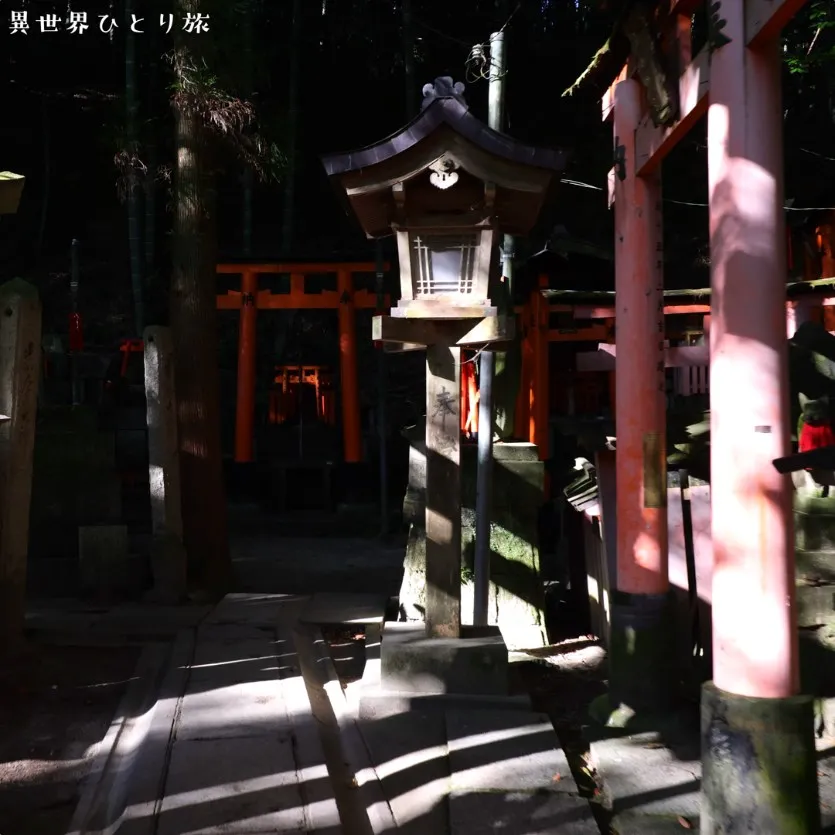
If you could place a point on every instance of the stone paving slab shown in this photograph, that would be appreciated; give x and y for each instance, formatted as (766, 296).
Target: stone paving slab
(234, 748)
(256, 610)
(640, 773)
(234, 786)
(321, 813)
(241, 661)
(410, 756)
(148, 783)
(245, 709)
(508, 751)
(510, 775)
(335, 608)
(636, 823)
(520, 813)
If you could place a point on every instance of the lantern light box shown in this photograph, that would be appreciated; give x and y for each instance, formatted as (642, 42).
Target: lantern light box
(447, 186)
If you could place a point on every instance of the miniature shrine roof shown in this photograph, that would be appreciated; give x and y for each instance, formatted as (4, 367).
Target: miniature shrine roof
(445, 128)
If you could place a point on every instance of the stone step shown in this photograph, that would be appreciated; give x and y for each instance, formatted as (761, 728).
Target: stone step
(650, 779)
(333, 609)
(508, 774)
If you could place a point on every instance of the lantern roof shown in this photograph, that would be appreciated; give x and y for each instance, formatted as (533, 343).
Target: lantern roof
(445, 137)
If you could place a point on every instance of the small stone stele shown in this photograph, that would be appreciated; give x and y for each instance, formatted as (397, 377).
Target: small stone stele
(103, 560)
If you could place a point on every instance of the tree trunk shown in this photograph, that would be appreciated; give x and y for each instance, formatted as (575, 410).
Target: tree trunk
(151, 174)
(288, 225)
(248, 178)
(134, 196)
(194, 326)
(47, 173)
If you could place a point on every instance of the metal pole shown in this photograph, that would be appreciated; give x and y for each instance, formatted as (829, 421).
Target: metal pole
(484, 479)
(495, 95)
(484, 475)
(381, 401)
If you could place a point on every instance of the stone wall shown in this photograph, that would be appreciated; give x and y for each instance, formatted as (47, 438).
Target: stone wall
(814, 529)
(516, 602)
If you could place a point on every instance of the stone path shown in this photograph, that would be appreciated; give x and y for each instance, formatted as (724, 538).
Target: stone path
(231, 745)
(228, 738)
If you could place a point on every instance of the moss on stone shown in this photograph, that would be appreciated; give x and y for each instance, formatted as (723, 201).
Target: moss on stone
(642, 652)
(759, 764)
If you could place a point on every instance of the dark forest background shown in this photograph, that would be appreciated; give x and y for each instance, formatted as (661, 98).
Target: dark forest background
(88, 118)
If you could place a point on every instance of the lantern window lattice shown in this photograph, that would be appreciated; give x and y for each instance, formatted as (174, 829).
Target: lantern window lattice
(444, 265)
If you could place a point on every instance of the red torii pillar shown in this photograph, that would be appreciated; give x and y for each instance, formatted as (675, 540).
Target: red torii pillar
(537, 378)
(640, 654)
(351, 426)
(247, 350)
(758, 756)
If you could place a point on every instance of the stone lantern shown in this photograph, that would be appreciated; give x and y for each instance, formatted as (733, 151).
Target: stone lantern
(448, 187)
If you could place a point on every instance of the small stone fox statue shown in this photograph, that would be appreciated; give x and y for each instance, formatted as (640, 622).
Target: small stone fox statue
(815, 431)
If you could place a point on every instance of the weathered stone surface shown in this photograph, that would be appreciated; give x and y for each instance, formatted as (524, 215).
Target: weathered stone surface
(642, 774)
(814, 523)
(507, 750)
(333, 608)
(815, 605)
(508, 774)
(472, 664)
(516, 601)
(251, 786)
(759, 765)
(229, 710)
(519, 813)
(409, 750)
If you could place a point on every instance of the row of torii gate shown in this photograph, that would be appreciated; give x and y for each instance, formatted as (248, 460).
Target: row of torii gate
(753, 705)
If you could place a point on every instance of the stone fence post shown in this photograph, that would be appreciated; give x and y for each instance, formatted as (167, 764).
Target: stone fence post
(168, 558)
(20, 359)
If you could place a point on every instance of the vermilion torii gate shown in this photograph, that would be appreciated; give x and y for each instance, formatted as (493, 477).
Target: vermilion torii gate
(759, 771)
(346, 299)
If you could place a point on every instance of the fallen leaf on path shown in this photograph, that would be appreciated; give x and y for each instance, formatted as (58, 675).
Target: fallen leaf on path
(557, 778)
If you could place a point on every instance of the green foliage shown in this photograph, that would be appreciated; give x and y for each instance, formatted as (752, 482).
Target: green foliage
(216, 100)
(811, 43)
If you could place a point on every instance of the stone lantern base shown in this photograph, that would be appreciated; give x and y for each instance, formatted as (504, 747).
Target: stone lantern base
(516, 593)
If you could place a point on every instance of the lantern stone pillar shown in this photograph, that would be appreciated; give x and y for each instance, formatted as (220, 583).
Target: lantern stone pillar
(758, 750)
(443, 491)
(448, 187)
